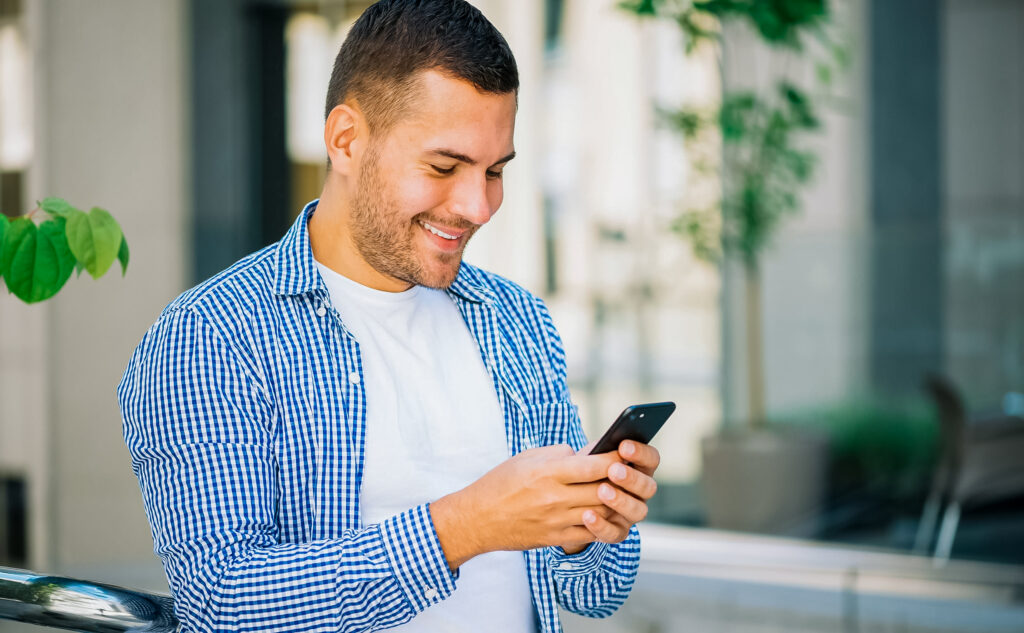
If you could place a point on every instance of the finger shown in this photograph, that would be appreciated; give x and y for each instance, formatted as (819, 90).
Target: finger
(574, 517)
(582, 495)
(575, 534)
(631, 508)
(602, 511)
(553, 451)
(584, 468)
(603, 529)
(586, 449)
(643, 456)
(632, 481)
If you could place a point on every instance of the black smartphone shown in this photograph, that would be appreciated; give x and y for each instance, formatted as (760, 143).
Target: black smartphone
(639, 423)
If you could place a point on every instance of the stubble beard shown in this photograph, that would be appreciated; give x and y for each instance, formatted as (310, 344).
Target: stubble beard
(387, 241)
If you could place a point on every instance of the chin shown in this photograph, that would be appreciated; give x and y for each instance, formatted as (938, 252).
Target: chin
(439, 275)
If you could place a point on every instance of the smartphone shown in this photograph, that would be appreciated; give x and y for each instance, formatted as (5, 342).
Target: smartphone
(639, 423)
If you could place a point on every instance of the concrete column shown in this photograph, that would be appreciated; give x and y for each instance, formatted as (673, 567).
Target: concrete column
(114, 76)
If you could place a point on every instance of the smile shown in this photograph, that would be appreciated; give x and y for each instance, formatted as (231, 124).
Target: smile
(439, 232)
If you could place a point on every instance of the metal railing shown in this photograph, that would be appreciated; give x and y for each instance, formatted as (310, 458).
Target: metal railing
(80, 605)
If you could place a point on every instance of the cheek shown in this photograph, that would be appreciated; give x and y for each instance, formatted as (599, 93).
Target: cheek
(417, 195)
(495, 194)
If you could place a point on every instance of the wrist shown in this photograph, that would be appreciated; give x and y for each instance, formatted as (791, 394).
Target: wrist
(574, 549)
(456, 528)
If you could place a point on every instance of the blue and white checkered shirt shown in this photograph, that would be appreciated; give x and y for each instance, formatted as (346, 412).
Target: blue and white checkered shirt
(244, 412)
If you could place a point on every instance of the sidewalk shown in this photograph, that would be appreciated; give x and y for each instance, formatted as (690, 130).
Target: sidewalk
(701, 580)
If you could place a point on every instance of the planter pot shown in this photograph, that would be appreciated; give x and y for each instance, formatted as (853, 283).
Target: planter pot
(769, 481)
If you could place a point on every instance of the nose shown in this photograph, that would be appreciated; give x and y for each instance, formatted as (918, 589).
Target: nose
(470, 200)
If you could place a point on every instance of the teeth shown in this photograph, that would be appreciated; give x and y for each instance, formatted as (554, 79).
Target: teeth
(438, 232)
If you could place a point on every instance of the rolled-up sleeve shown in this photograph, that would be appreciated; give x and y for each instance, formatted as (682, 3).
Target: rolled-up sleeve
(198, 426)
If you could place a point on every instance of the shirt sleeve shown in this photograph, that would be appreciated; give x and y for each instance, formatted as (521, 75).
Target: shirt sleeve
(596, 581)
(197, 425)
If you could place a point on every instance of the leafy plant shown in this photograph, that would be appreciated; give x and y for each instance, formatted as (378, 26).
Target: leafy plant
(40, 250)
(883, 445)
(750, 143)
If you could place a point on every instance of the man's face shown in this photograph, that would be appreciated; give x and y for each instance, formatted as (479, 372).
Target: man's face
(425, 187)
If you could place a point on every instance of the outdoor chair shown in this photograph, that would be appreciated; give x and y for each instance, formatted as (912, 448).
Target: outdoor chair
(981, 461)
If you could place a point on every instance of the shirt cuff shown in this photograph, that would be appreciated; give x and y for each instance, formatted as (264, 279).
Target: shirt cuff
(417, 559)
(578, 564)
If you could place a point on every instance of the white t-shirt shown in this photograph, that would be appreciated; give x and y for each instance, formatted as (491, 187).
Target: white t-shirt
(433, 426)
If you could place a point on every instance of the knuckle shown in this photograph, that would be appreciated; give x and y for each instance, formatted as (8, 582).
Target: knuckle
(550, 499)
(613, 534)
(642, 514)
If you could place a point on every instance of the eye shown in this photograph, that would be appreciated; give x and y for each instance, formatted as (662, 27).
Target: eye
(494, 175)
(442, 170)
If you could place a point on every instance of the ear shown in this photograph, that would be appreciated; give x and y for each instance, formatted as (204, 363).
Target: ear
(343, 134)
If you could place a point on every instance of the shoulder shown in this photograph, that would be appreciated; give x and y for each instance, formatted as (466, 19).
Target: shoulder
(520, 309)
(511, 299)
(226, 311)
(244, 283)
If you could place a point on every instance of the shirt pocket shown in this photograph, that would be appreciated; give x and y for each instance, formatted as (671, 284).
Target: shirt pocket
(550, 423)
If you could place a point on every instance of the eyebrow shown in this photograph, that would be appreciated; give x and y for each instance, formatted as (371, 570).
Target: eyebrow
(466, 159)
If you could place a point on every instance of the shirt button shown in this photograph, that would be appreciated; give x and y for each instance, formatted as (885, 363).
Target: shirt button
(567, 566)
(430, 594)
(354, 378)
(320, 311)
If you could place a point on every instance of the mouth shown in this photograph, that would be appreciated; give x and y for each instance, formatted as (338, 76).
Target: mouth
(446, 240)
(442, 234)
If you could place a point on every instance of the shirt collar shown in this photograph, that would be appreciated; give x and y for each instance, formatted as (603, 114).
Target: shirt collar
(295, 271)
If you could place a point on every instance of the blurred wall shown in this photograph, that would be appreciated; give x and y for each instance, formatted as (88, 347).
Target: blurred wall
(113, 133)
(982, 128)
(814, 271)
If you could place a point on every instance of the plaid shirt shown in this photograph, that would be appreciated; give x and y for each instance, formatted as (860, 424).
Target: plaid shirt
(244, 412)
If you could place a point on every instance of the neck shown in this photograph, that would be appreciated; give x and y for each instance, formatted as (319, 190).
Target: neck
(330, 237)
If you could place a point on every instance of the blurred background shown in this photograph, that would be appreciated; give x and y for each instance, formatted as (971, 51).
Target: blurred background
(848, 449)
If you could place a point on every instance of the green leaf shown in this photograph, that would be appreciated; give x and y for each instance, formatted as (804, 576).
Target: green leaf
(639, 7)
(4, 224)
(122, 255)
(95, 239)
(56, 206)
(38, 260)
(13, 237)
(824, 73)
(54, 232)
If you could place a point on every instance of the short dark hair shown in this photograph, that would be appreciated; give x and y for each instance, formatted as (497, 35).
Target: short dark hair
(394, 39)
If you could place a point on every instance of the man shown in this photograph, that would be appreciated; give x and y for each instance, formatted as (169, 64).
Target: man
(322, 433)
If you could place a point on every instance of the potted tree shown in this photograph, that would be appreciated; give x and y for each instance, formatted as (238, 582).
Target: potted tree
(749, 146)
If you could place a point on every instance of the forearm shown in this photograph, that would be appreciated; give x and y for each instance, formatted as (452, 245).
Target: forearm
(376, 577)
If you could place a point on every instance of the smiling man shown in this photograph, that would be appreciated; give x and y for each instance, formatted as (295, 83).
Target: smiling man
(353, 430)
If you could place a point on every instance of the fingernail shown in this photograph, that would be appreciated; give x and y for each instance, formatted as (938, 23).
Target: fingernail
(606, 493)
(617, 471)
(589, 517)
(628, 449)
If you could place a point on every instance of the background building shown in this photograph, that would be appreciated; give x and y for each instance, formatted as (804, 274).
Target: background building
(196, 123)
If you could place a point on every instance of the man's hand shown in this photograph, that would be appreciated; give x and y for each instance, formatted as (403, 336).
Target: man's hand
(631, 484)
(535, 499)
